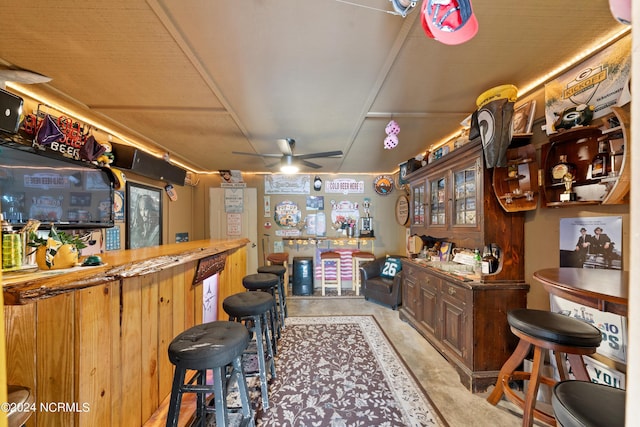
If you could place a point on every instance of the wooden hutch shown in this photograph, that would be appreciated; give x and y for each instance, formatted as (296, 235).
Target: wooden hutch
(465, 319)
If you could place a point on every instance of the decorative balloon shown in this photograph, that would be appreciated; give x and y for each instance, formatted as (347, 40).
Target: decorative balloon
(392, 130)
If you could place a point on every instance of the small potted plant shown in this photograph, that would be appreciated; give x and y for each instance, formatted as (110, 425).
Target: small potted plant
(58, 250)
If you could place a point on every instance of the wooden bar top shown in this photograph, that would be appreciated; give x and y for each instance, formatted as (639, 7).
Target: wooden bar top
(28, 286)
(604, 290)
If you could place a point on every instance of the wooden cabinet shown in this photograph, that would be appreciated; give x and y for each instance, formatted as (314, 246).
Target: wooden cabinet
(465, 321)
(580, 145)
(461, 207)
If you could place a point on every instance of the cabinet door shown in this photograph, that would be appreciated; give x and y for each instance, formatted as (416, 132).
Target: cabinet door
(418, 204)
(438, 201)
(465, 195)
(410, 291)
(455, 330)
(429, 288)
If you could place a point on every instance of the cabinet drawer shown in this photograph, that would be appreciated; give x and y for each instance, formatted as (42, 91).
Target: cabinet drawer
(452, 291)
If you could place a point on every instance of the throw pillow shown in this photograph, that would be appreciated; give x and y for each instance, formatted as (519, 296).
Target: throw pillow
(391, 267)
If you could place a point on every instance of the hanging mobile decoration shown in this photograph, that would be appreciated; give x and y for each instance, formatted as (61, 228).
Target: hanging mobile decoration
(392, 130)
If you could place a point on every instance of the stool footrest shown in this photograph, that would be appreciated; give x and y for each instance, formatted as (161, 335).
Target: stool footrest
(514, 398)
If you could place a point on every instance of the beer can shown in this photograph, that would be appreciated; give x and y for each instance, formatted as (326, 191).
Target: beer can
(11, 251)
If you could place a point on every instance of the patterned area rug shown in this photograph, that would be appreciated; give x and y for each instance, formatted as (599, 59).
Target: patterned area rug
(342, 371)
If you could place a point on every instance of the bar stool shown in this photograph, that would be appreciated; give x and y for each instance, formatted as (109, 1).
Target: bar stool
(359, 257)
(19, 398)
(543, 330)
(279, 271)
(587, 404)
(252, 309)
(327, 259)
(266, 282)
(216, 346)
(281, 258)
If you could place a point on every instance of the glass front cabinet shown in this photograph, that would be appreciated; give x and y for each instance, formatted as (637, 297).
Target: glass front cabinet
(452, 200)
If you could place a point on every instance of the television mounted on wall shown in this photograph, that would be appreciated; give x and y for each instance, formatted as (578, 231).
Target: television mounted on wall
(53, 190)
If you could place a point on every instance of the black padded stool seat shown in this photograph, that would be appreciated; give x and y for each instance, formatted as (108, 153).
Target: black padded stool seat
(586, 404)
(260, 281)
(209, 346)
(554, 327)
(246, 304)
(19, 397)
(543, 330)
(278, 270)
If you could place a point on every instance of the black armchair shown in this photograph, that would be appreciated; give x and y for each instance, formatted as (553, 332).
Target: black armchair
(378, 288)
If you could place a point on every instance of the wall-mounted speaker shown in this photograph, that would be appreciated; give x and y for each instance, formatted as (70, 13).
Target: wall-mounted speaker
(10, 110)
(143, 163)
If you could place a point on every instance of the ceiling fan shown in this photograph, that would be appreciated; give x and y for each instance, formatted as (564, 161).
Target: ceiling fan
(289, 161)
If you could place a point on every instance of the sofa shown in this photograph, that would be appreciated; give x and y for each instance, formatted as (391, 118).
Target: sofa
(377, 287)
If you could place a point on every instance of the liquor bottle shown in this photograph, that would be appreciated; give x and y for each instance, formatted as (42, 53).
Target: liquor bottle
(489, 261)
(562, 168)
(601, 164)
(477, 268)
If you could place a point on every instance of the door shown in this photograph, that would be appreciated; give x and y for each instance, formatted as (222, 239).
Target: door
(223, 225)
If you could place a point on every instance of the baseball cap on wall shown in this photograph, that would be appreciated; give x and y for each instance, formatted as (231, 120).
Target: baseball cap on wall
(621, 10)
(449, 21)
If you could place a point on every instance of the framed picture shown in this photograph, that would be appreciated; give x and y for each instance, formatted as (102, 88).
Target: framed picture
(144, 216)
(523, 118)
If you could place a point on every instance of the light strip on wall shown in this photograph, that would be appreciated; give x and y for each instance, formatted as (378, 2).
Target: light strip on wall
(561, 69)
(148, 148)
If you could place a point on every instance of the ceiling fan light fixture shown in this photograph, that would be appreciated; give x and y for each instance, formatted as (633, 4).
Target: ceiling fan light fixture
(288, 166)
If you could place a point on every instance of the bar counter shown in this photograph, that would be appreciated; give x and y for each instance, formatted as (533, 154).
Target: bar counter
(604, 290)
(32, 284)
(91, 342)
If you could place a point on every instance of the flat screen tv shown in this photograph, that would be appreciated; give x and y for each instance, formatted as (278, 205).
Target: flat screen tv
(52, 190)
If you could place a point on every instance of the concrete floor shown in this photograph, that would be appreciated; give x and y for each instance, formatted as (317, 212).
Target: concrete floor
(459, 407)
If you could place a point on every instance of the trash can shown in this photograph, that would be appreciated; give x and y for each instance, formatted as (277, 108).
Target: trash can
(302, 276)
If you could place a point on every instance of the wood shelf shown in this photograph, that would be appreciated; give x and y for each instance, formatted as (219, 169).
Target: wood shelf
(580, 145)
(521, 161)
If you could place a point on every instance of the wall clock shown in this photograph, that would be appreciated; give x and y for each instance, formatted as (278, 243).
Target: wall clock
(402, 210)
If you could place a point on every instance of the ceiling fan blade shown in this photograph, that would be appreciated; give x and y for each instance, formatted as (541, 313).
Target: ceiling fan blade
(255, 154)
(273, 165)
(310, 164)
(316, 155)
(286, 146)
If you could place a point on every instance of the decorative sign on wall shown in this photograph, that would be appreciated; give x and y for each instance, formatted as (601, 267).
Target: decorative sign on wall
(234, 224)
(287, 184)
(383, 184)
(267, 206)
(344, 186)
(402, 210)
(344, 214)
(209, 266)
(613, 327)
(601, 81)
(315, 203)
(233, 200)
(118, 205)
(112, 240)
(287, 214)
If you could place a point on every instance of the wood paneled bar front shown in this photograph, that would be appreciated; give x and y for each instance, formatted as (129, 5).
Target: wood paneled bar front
(91, 342)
